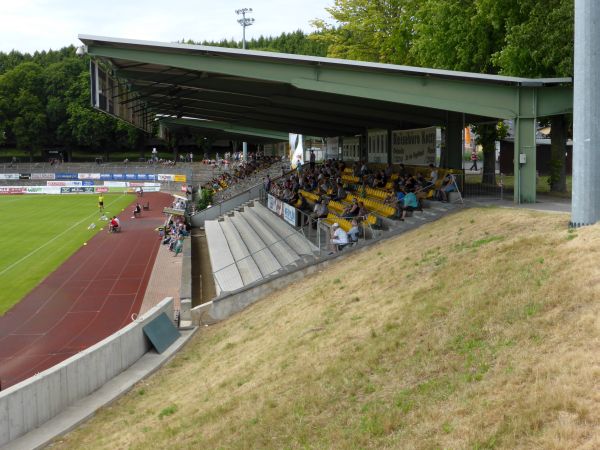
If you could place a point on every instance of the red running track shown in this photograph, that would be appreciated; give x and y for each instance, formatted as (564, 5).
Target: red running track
(89, 297)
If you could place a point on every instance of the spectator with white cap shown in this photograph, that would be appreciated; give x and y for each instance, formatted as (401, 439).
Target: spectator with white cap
(339, 238)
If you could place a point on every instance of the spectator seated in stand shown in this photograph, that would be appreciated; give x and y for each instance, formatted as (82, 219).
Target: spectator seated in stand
(354, 232)
(411, 203)
(339, 238)
(351, 210)
(448, 185)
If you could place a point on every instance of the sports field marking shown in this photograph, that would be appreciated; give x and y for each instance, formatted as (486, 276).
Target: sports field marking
(19, 261)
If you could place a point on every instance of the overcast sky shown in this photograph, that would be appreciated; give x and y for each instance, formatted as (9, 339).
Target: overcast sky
(29, 25)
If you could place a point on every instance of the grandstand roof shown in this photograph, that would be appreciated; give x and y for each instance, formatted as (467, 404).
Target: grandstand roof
(262, 92)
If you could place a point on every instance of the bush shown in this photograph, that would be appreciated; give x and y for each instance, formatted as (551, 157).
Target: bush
(205, 199)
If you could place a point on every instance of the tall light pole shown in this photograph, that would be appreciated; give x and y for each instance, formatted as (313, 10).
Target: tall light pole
(244, 22)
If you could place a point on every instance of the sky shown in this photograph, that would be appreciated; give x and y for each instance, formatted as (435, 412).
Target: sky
(30, 25)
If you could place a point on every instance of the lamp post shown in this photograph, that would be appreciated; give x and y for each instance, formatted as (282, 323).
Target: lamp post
(244, 22)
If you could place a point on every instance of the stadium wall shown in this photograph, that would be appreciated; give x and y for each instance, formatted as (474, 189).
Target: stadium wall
(27, 405)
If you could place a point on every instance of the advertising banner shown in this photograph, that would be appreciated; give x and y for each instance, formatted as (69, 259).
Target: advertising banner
(131, 176)
(106, 176)
(180, 178)
(89, 176)
(165, 177)
(414, 147)
(121, 184)
(66, 176)
(118, 176)
(63, 183)
(42, 176)
(11, 190)
(87, 183)
(101, 189)
(289, 214)
(42, 190)
(77, 190)
(271, 202)
(9, 176)
(24, 176)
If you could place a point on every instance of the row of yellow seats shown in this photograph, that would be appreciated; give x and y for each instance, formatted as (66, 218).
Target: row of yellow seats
(336, 206)
(350, 178)
(343, 223)
(377, 193)
(375, 206)
(309, 195)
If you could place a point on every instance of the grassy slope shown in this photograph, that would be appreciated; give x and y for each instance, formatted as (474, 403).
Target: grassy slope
(477, 331)
(30, 225)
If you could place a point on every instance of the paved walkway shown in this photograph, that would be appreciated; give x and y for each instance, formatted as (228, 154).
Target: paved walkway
(165, 280)
(543, 203)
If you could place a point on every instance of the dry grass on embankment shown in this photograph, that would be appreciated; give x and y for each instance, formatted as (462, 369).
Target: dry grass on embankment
(478, 331)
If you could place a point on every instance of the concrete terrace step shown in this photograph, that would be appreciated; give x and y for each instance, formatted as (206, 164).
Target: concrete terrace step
(265, 260)
(299, 243)
(245, 263)
(226, 274)
(282, 251)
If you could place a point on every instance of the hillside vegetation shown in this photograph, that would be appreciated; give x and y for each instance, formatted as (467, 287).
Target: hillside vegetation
(477, 331)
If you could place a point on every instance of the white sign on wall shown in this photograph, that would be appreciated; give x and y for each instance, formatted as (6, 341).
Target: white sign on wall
(414, 147)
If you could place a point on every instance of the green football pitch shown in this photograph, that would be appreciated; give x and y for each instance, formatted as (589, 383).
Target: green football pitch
(39, 232)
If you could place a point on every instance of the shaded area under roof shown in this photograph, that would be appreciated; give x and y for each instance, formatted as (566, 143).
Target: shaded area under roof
(310, 95)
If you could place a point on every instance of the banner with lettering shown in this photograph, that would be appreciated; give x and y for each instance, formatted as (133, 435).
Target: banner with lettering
(414, 147)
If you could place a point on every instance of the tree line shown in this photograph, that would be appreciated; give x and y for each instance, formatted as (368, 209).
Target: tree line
(45, 99)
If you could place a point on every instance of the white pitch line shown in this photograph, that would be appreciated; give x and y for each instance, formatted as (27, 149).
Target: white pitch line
(52, 240)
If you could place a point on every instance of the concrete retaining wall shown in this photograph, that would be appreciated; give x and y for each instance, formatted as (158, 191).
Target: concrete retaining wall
(225, 306)
(32, 402)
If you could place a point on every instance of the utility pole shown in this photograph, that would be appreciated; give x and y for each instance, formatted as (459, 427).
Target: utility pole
(586, 114)
(244, 22)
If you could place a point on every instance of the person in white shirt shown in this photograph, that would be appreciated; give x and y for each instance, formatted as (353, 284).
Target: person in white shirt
(339, 238)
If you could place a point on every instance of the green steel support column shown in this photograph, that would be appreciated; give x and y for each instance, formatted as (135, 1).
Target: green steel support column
(525, 147)
(454, 140)
(389, 146)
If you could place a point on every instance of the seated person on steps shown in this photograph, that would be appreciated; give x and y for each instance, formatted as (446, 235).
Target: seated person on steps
(448, 185)
(410, 203)
(354, 231)
(339, 238)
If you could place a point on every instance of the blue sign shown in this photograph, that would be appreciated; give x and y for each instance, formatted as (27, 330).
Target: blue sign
(106, 176)
(117, 176)
(87, 183)
(142, 176)
(66, 176)
(130, 176)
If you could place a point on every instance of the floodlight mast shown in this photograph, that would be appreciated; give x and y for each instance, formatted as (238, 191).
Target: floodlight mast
(244, 22)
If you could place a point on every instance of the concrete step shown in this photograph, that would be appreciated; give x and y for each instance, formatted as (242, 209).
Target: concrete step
(299, 243)
(264, 258)
(245, 263)
(280, 249)
(226, 274)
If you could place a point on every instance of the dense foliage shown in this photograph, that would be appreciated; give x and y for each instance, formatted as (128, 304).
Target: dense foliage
(44, 104)
(529, 38)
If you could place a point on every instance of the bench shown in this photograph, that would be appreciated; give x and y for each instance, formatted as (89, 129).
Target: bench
(146, 207)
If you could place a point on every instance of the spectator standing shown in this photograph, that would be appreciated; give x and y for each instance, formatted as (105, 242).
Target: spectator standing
(474, 159)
